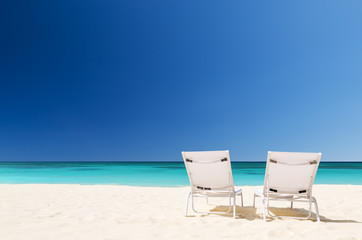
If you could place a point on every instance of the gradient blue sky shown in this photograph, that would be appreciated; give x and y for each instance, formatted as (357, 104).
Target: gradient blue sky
(145, 80)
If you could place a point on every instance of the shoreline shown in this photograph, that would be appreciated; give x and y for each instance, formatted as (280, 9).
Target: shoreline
(74, 211)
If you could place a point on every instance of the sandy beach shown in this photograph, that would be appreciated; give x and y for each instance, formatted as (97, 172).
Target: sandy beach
(45, 211)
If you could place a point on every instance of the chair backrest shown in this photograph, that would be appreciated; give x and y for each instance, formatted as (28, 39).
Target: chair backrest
(291, 172)
(209, 170)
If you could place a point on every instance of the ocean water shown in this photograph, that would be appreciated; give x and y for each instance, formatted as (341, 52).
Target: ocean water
(164, 174)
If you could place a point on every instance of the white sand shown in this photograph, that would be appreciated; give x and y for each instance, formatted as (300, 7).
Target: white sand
(42, 212)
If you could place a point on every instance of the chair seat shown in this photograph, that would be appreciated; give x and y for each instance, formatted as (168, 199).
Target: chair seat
(259, 193)
(215, 193)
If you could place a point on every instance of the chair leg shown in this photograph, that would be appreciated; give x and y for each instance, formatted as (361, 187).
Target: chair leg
(187, 203)
(242, 201)
(316, 209)
(264, 217)
(254, 201)
(234, 208)
(291, 204)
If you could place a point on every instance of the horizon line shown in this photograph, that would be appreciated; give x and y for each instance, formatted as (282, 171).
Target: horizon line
(145, 161)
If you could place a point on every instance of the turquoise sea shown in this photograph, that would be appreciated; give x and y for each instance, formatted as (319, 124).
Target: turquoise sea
(164, 174)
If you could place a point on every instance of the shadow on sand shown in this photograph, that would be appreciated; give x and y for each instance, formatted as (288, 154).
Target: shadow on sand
(250, 213)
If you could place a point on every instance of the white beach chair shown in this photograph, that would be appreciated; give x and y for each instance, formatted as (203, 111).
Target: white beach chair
(289, 176)
(210, 176)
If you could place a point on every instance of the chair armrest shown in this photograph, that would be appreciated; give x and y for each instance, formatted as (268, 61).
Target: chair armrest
(238, 192)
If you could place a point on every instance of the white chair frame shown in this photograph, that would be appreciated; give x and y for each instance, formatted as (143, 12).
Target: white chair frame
(231, 195)
(287, 196)
(291, 199)
(228, 191)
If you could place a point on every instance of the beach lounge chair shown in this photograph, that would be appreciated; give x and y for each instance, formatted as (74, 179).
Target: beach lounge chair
(289, 176)
(210, 176)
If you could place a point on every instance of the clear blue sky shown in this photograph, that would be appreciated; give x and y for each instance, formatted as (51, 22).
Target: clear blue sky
(144, 80)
